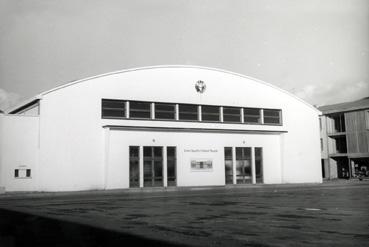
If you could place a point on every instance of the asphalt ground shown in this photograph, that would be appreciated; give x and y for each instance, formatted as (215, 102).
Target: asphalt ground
(329, 214)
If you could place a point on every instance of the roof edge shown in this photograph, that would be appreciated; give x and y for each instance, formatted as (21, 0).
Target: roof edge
(24, 103)
(167, 66)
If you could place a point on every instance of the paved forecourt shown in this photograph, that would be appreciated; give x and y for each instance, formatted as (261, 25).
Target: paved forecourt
(329, 214)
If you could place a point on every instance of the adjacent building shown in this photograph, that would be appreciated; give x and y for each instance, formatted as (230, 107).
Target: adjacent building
(159, 127)
(344, 139)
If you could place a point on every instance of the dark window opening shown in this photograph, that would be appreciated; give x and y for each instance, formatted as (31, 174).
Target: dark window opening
(139, 109)
(259, 165)
(228, 161)
(341, 145)
(210, 113)
(134, 167)
(188, 112)
(113, 108)
(231, 114)
(165, 111)
(272, 116)
(171, 166)
(16, 173)
(339, 123)
(28, 173)
(251, 115)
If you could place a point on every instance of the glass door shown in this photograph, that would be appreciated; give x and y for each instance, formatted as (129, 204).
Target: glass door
(172, 166)
(259, 165)
(228, 165)
(243, 165)
(134, 169)
(153, 166)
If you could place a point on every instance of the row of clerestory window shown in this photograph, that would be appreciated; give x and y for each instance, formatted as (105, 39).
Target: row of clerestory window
(127, 109)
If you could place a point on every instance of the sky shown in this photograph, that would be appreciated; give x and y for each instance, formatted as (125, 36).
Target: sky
(318, 50)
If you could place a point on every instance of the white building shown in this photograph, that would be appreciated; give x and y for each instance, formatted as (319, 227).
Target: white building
(159, 126)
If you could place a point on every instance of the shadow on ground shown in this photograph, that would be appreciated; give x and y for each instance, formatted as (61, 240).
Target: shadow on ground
(20, 229)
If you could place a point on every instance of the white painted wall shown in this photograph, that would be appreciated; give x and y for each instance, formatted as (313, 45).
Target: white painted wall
(72, 138)
(120, 140)
(19, 150)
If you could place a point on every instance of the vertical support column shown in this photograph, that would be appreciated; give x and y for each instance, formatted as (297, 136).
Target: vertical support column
(141, 165)
(221, 114)
(177, 112)
(127, 109)
(350, 168)
(152, 110)
(234, 165)
(253, 168)
(242, 116)
(165, 169)
(261, 116)
(199, 113)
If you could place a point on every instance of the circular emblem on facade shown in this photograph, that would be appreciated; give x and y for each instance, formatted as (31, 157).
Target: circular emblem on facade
(200, 86)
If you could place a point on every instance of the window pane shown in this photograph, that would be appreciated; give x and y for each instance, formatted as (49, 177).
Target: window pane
(133, 152)
(251, 115)
(243, 165)
(165, 111)
(147, 152)
(272, 116)
(28, 173)
(228, 153)
(110, 103)
(188, 112)
(158, 152)
(259, 164)
(171, 166)
(171, 152)
(113, 108)
(210, 113)
(231, 114)
(228, 163)
(134, 169)
(139, 109)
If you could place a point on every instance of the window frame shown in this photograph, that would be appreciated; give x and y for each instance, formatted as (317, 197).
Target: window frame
(114, 117)
(167, 104)
(260, 121)
(140, 110)
(25, 171)
(152, 106)
(280, 116)
(228, 114)
(211, 121)
(188, 120)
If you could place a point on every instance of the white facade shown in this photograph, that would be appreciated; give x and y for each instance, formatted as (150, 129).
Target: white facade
(68, 146)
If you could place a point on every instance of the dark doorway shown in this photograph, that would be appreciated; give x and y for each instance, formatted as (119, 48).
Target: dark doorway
(153, 166)
(134, 167)
(243, 165)
(172, 166)
(343, 170)
(259, 165)
(228, 165)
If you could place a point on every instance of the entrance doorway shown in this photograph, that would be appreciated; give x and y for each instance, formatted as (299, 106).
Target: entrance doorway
(248, 162)
(243, 165)
(134, 169)
(153, 166)
(228, 162)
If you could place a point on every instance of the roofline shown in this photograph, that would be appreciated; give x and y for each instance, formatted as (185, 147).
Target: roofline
(24, 104)
(355, 108)
(167, 66)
